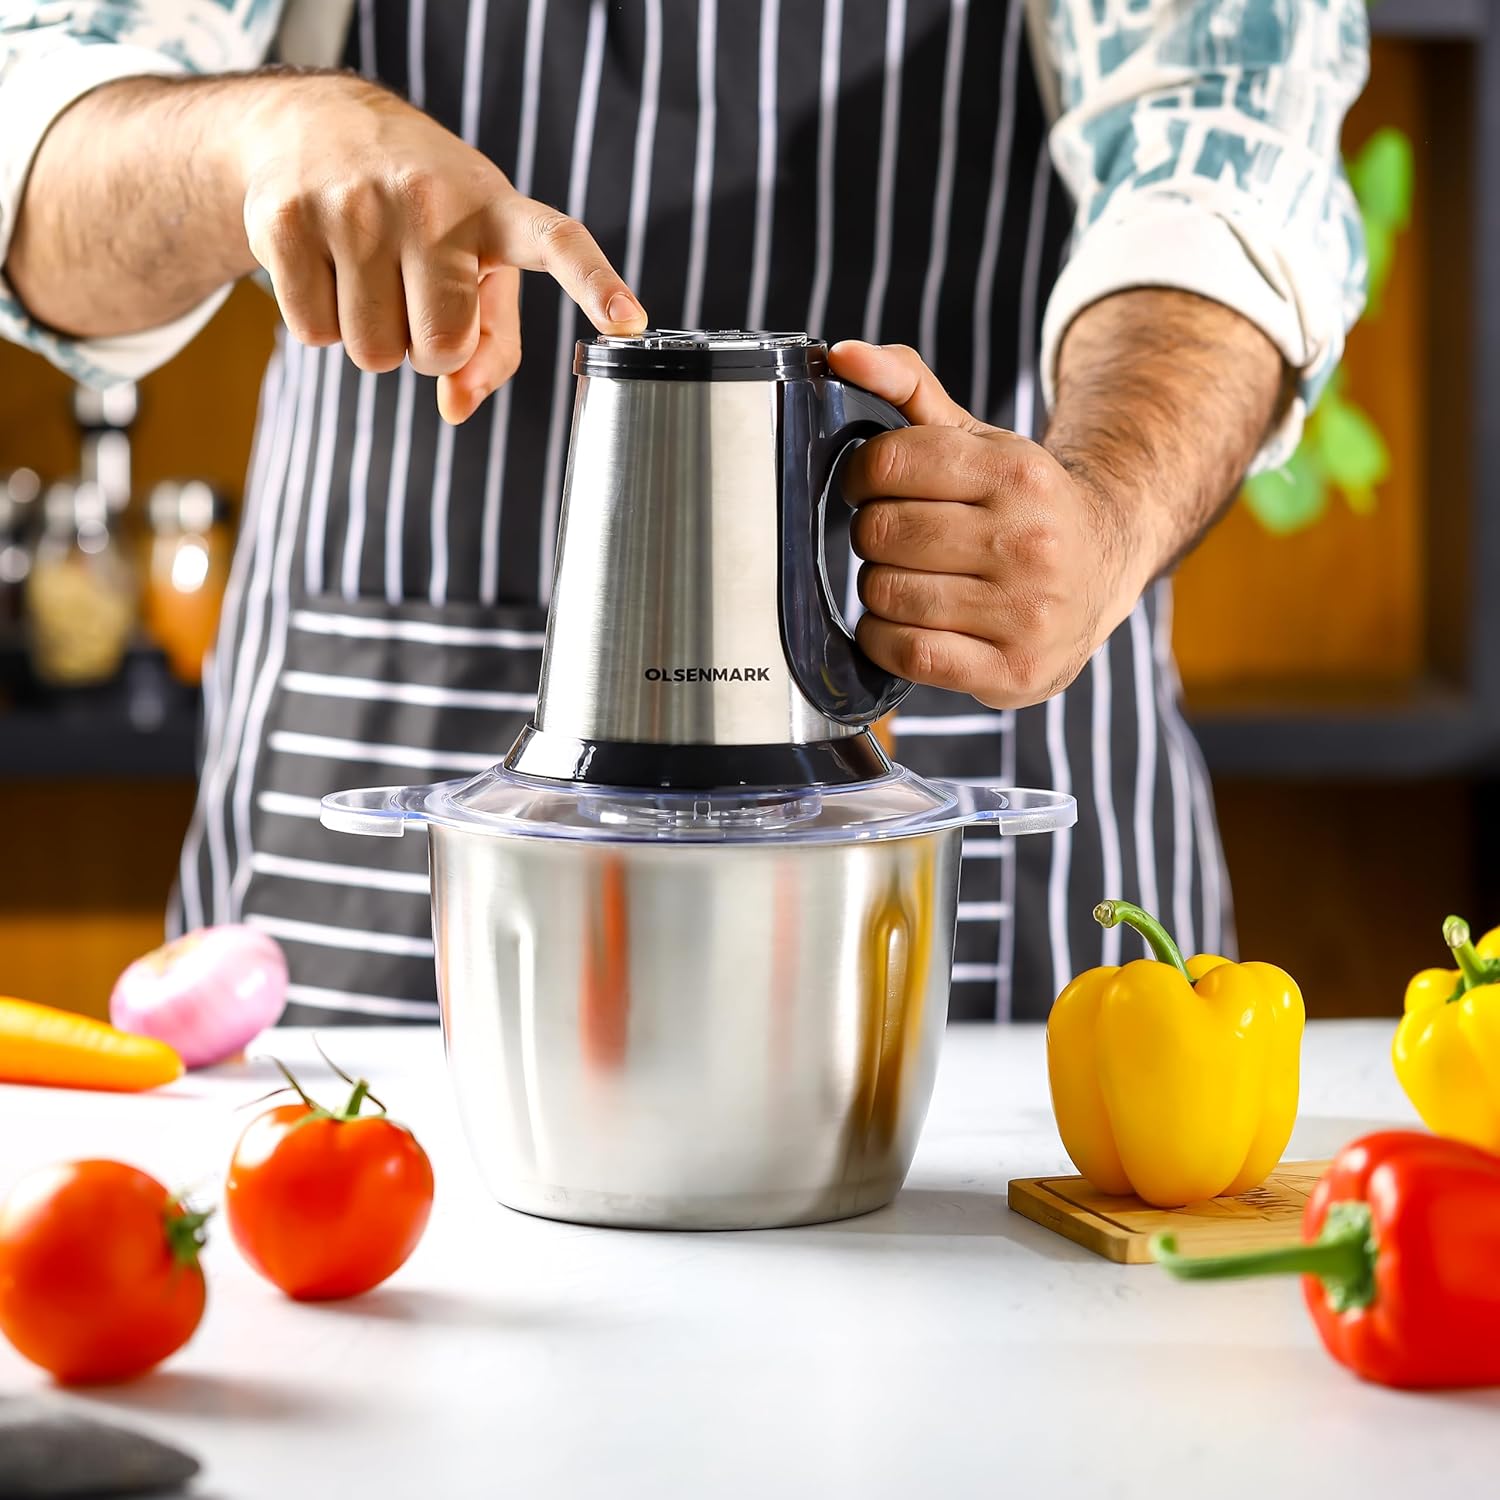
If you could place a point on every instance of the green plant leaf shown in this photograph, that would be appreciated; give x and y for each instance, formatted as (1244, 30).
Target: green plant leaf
(1380, 252)
(1360, 499)
(1350, 448)
(1381, 176)
(1290, 498)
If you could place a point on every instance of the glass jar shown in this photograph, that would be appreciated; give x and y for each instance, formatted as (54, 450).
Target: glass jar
(105, 419)
(18, 494)
(187, 567)
(81, 595)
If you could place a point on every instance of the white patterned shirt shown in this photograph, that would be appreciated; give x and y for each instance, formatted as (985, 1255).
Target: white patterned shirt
(1200, 139)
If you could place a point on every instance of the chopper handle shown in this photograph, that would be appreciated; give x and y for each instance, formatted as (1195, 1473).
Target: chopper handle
(821, 421)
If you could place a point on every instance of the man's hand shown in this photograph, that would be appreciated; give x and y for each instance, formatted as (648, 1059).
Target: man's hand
(989, 568)
(379, 228)
(385, 232)
(996, 566)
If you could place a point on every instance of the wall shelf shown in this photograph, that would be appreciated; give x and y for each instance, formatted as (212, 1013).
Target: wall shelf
(1428, 733)
(42, 745)
(143, 726)
(1430, 20)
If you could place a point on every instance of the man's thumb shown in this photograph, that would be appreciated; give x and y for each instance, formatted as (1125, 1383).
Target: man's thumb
(896, 374)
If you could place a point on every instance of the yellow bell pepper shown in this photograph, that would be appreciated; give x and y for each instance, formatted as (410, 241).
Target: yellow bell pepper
(1174, 1080)
(1447, 1047)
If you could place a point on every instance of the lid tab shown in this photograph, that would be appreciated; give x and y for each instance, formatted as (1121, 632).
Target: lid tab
(375, 811)
(499, 802)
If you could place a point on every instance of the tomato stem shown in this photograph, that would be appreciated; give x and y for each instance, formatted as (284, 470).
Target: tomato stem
(317, 1042)
(297, 1088)
(263, 1098)
(316, 1111)
(360, 1086)
(186, 1234)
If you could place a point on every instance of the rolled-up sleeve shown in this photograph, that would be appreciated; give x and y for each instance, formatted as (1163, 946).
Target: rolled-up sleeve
(1200, 139)
(51, 55)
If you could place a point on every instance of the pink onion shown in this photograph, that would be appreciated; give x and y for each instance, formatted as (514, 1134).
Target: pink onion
(208, 994)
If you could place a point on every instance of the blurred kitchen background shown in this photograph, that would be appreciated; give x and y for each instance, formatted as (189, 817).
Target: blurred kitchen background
(1339, 633)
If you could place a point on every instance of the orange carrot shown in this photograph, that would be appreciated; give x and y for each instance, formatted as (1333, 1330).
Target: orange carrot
(39, 1044)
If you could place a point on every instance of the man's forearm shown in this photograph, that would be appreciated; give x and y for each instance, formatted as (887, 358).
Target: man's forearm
(134, 207)
(380, 229)
(1163, 399)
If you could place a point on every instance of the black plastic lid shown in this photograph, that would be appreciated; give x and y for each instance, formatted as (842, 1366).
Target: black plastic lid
(698, 354)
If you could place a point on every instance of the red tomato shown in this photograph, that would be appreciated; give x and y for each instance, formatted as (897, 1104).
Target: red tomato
(327, 1205)
(99, 1273)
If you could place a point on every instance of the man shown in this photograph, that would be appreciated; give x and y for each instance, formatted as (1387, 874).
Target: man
(875, 169)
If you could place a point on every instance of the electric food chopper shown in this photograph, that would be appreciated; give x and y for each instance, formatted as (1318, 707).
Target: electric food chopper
(694, 933)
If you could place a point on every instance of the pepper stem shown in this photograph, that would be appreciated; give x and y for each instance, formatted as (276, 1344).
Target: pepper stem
(1474, 969)
(1342, 1258)
(1112, 913)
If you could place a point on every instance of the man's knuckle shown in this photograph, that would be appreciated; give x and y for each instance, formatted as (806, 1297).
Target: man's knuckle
(596, 277)
(1039, 610)
(1037, 547)
(884, 590)
(312, 329)
(373, 359)
(886, 464)
(445, 325)
(996, 556)
(553, 230)
(446, 338)
(418, 191)
(876, 530)
(1030, 472)
(348, 198)
(916, 655)
(968, 471)
(922, 656)
(278, 225)
(354, 208)
(374, 349)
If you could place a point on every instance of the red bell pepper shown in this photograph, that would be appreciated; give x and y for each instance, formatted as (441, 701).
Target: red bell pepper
(1400, 1260)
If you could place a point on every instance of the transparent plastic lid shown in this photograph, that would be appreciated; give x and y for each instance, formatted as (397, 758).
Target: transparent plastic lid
(502, 803)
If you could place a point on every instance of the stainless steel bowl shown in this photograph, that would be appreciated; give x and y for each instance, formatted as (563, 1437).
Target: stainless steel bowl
(694, 1010)
(677, 1036)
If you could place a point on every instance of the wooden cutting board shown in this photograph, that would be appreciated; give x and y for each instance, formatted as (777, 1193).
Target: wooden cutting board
(1120, 1228)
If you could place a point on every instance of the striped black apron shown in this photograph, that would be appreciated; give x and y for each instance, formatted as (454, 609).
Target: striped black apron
(869, 168)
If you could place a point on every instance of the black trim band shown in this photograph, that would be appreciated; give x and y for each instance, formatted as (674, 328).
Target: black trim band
(622, 763)
(667, 355)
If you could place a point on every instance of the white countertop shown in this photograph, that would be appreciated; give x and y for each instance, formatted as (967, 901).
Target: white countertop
(943, 1347)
